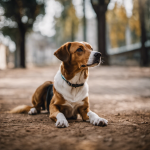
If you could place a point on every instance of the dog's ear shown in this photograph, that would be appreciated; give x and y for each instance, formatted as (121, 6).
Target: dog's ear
(63, 52)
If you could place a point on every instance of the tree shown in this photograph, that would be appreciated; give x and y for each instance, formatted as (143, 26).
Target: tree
(67, 24)
(117, 21)
(20, 16)
(100, 8)
(144, 50)
(134, 23)
(84, 22)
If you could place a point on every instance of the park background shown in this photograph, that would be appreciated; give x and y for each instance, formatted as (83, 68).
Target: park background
(119, 89)
(30, 32)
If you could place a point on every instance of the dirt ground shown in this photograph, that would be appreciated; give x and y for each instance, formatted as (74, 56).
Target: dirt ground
(119, 94)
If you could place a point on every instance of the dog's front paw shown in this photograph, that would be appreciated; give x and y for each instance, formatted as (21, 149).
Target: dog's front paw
(32, 111)
(97, 121)
(62, 123)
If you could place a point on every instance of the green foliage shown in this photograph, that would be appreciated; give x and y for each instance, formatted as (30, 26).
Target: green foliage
(134, 22)
(117, 21)
(67, 24)
(15, 11)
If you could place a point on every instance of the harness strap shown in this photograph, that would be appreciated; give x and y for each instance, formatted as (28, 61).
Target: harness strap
(70, 84)
(49, 95)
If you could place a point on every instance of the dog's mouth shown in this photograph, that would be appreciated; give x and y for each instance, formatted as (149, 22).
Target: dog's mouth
(95, 63)
(93, 60)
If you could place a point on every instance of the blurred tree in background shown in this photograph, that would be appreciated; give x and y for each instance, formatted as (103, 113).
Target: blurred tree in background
(143, 22)
(134, 23)
(147, 18)
(117, 21)
(19, 18)
(67, 24)
(120, 25)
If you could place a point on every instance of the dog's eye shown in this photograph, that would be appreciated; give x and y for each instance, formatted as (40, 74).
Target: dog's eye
(79, 50)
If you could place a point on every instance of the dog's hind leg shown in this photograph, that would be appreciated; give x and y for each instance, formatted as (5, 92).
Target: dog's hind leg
(39, 98)
(37, 104)
(32, 111)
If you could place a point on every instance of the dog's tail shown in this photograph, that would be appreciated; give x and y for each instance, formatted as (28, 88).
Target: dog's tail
(20, 109)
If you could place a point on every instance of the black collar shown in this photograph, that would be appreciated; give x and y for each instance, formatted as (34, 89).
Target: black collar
(70, 84)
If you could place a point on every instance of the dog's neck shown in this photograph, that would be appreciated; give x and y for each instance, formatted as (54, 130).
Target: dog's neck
(74, 76)
(78, 78)
(69, 93)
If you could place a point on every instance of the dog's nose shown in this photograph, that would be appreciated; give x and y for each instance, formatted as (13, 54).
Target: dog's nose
(97, 55)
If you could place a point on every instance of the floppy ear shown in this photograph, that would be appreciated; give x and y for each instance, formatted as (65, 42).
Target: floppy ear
(63, 52)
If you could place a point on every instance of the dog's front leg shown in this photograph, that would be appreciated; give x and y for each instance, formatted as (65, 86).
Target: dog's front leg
(58, 117)
(61, 121)
(87, 114)
(96, 120)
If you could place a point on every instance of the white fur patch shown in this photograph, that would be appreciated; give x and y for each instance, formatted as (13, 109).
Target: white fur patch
(96, 120)
(91, 58)
(61, 121)
(69, 93)
(32, 111)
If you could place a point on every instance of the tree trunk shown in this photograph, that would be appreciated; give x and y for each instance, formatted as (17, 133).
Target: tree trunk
(100, 7)
(16, 55)
(84, 22)
(143, 50)
(22, 46)
(102, 35)
(72, 32)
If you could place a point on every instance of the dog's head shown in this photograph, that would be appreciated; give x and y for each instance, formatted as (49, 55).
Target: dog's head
(79, 54)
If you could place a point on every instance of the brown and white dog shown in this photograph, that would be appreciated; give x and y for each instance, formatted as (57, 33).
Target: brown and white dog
(70, 87)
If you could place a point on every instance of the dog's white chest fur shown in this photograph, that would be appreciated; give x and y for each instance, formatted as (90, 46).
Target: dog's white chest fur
(69, 93)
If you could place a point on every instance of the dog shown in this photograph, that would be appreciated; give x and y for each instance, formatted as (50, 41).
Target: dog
(69, 91)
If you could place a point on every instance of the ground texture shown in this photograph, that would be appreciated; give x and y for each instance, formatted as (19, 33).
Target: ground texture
(120, 95)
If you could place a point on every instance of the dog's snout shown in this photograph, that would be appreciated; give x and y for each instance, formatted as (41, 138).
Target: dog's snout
(97, 55)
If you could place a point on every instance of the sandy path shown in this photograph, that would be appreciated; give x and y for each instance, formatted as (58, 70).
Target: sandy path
(121, 95)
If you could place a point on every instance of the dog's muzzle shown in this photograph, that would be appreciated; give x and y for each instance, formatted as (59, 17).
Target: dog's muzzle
(97, 56)
(94, 58)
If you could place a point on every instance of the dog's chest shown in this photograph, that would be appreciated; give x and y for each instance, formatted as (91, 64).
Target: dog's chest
(70, 109)
(69, 93)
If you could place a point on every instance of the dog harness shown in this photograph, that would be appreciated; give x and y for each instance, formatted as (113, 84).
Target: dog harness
(70, 84)
(49, 95)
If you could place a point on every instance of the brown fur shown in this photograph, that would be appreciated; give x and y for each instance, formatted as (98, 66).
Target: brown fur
(69, 68)
(38, 99)
(72, 64)
(75, 59)
(57, 107)
(20, 109)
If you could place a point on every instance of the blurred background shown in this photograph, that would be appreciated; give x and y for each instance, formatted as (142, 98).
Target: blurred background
(30, 31)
